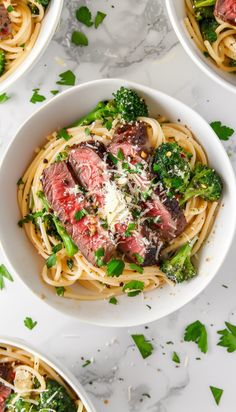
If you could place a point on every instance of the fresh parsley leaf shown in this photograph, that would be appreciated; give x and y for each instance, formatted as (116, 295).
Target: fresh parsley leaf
(67, 78)
(57, 248)
(196, 332)
(63, 134)
(144, 346)
(31, 217)
(36, 97)
(86, 363)
(60, 290)
(113, 300)
(4, 97)
(108, 124)
(29, 323)
(130, 228)
(133, 288)
(135, 267)
(79, 38)
(100, 16)
(80, 214)
(228, 337)
(99, 254)
(4, 273)
(115, 267)
(70, 263)
(175, 357)
(61, 156)
(104, 224)
(120, 154)
(113, 158)
(10, 9)
(20, 182)
(51, 261)
(83, 15)
(217, 393)
(139, 258)
(54, 92)
(223, 132)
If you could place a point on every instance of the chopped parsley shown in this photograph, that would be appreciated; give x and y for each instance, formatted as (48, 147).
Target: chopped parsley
(83, 15)
(143, 345)
(196, 332)
(67, 78)
(57, 248)
(130, 228)
(4, 97)
(31, 217)
(217, 393)
(139, 258)
(61, 156)
(10, 9)
(135, 267)
(175, 357)
(4, 273)
(133, 288)
(120, 154)
(60, 290)
(228, 337)
(63, 134)
(54, 92)
(100, 16)
(104, 224)
(51, 261)
(29, 323)
(115, 267)
(70, 263)
(113, 158)
(79, 39)
(223, 132)
(113, 300)
(20, 182)
(99, 254)
(86, 363)
(36, 97)
(80, 214)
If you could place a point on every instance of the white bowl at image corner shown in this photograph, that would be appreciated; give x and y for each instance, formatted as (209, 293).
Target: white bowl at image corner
(68, 377)
(177, 13)
(48, 28)
(23, 258)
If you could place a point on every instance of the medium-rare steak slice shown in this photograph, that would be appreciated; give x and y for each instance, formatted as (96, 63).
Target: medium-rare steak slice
(6, 373)
(226, 10)
(163, 214)
(5, 23)
(91, 170)
(67, 200)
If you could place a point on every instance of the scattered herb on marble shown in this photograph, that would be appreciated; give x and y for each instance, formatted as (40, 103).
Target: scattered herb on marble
(29, 323)
(115, 267)
(100, 16)
(175, 357)
(36, 97)
(60, 290)
(79, 39)
(147, 395)
(54, 92)
(196, 332)
(223, 132)
(4, 97)
(86, 363)
(228, 337)
(67, 78)
(113, 300)
(143, 345)
(4, 273)
(217, 393)
(83, 15)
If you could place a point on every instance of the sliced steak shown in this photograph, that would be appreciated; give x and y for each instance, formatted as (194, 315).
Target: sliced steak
(226, 10)
(87, 161)
(168, 218)
(5, 23)
(6, 373)
(65, 198)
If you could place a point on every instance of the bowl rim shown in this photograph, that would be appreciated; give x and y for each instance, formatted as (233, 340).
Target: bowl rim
(63, 371)
(232, 191)
(189, 49)
(29, 62)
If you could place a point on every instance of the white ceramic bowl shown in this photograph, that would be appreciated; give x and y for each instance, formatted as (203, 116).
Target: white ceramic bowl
(23, 258)
(49, 25)
(177, 13)
(63, 372)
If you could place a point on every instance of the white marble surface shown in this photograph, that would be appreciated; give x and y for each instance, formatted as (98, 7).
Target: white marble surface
(135, 42)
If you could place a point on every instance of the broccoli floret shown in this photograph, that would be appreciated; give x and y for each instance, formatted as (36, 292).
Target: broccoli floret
(2, 62)
(179, 267)
(208, 29)
(56, 398)
(126, 105)
(205, 183)
(20, 405)
(203, 3)
(204, 9)
(172, 166)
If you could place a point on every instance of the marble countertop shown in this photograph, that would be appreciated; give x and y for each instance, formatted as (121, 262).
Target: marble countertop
(137, 43)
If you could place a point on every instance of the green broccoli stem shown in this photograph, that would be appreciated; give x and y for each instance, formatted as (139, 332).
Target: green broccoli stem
(95, 114)
(204, 3)
(42, 197)
(70, 246)
(187, 195)
(182, 254)
(2, 62)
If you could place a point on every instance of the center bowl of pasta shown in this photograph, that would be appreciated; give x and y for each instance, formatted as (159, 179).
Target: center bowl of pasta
(117, 203)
